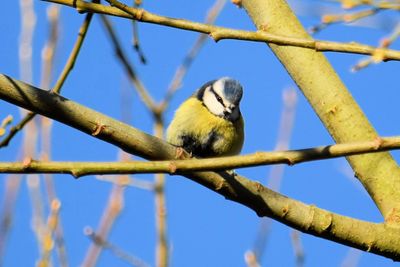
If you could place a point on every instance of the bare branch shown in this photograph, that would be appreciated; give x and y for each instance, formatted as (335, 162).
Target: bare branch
(376, 238)
(139, 86)
(74, 53)
(290, 157)
(99, 241)
(112, 210)
(16, 128)
(377, 57)
(135, 36)
(219, 33)
(276, 172)
(181, 71)
(332, 102)
(297, 248)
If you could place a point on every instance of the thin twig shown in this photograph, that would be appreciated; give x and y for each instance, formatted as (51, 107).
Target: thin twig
(99, 241)
(135, 35)
(161, 207)
(276, 172)
(28, 22)
(16, 128)
(378, 57)
(4, 123)
(297, 248)
(128, 181)
(53, 229)
(30, 136)
(49, 50)
(374, 7)
(57, 88)
(352, 259)
(38, 217)
(115, 202)
(284, 135)
(139, 86)
(49, 229)
(111, 212)
(11, 189)
(220, 33)
(181, 71)
(74, 53)
(251, 259)
(330, 19)
(13, 182)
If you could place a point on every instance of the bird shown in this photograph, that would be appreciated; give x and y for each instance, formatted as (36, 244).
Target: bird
(209, 123)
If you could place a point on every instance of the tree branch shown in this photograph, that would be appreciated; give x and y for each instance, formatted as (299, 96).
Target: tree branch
(290, 157)
(381, 239)
(72, 114)
(220, 33)
(129, 68)
(332, 102)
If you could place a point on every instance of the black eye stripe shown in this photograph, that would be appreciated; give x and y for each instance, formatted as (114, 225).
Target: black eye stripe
(217, 96)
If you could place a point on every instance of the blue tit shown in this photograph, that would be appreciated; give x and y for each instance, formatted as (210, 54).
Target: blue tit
(209, 123)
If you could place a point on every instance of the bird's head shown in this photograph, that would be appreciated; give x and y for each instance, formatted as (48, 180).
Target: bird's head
(222, 97)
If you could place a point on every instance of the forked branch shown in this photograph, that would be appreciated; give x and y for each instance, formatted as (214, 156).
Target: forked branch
(380, 239)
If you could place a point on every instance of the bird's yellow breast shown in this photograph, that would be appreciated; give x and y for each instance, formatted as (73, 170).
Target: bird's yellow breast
(194, 119)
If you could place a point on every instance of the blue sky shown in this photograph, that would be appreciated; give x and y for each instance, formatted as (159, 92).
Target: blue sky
(204, 229)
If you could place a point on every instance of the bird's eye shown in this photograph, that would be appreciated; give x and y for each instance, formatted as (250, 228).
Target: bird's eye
(219, 99)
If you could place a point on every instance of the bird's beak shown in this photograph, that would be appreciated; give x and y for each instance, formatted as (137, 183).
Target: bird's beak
(228, 111)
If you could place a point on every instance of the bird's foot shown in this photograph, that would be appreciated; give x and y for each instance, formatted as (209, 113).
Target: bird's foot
(180, 153)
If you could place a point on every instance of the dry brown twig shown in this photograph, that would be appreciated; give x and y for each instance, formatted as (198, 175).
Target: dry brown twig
(181, 71)
(115, 203)
(138, 84)
(275, 176)
(99, 241)
(378, 57)
(60, 82)
(371, 8)
(113, 209)
(54, 229)
(135, 35)
(297, 247)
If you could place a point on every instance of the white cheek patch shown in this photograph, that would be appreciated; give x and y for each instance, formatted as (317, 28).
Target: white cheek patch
(212, 103)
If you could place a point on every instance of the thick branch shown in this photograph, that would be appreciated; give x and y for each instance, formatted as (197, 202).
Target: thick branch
(381, 239)
(61, 109)
(332, 102)
(290, 157)
(219, 33)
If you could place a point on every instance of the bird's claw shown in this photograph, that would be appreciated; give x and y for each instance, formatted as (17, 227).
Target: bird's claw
(180, 153)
